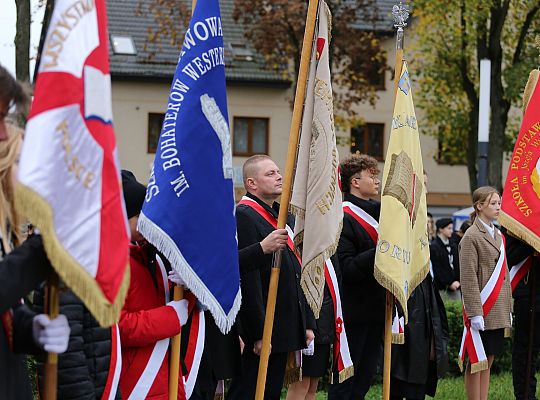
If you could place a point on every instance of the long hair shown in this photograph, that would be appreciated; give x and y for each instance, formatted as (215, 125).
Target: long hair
(9, 219)
(480, 196)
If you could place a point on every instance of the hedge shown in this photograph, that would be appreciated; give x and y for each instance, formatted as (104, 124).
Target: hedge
(503, 363)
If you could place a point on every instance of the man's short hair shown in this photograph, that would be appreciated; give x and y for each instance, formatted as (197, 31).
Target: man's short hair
(355, 164)
(11, 91)
(248, 170)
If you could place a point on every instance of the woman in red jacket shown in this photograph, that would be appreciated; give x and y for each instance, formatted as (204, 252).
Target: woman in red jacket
(148, 318)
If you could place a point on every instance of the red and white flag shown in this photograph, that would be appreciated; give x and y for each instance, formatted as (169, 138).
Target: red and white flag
(70, 185)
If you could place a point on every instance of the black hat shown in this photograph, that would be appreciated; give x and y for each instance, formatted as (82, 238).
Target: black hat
(443, 223)
(134, 193)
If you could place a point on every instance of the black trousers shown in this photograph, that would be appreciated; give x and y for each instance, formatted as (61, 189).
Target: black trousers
(520, 350)
(243, 388)
(365, 345)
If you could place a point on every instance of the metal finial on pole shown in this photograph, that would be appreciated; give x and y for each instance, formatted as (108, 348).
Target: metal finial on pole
(400, 12)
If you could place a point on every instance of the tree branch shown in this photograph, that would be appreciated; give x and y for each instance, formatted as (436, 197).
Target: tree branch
(523, 32)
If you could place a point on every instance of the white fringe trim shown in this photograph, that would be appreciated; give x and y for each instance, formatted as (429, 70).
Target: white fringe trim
(155, 235)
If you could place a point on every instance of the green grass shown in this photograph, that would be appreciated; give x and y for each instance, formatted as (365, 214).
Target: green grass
(500, 388)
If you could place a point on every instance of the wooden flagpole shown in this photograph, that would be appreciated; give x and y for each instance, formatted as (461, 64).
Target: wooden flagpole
(178, 294)
(51, 365)
(400, 13)
(294, 134)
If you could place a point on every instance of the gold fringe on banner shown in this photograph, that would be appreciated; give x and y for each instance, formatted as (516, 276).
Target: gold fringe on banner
(396, 289)
(519, 230)
(315, 268)
(37, 210)
(529, 88)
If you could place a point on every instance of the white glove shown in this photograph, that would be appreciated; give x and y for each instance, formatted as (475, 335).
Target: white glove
(51, 335)
(181, 308)
(511, 320)
(175, 278)
(310, 350)
(477, 323)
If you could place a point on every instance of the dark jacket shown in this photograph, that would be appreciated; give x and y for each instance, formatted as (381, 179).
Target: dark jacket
(20, 272)
(84, 368)
(220, 358)
(326, 324)
(427, 320)
(363, 299)
(292, 315)
(445, 275)
(517, 251)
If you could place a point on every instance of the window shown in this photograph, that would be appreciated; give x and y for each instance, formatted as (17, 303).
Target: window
(376, 75)
(368, 139)
(155, 122)
(250, 136)
(123, 45)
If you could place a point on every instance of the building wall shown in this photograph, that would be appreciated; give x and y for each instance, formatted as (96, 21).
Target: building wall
(132, 102)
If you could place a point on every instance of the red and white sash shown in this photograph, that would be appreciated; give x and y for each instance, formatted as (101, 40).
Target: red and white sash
(518, 271)
(342, 357)
(247, 201)
(115, 366)
(370, 224)
(195, 350)
(471, 342)
(146, 380)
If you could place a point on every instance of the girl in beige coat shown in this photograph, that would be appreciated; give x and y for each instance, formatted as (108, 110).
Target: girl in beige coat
(479, 252)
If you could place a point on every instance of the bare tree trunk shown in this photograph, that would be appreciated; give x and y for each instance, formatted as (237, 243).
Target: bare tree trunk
(22, 41)
(472, 142)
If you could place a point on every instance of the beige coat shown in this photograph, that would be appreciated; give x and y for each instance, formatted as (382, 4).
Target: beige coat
(478, 255)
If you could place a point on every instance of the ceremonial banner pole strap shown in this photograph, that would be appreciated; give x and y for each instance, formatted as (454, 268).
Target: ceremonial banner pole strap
(51, 365)
(294, 133)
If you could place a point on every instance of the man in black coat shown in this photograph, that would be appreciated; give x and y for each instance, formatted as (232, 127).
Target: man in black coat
(445, 259)
(257, 241)
(363, 299)
(517, 251)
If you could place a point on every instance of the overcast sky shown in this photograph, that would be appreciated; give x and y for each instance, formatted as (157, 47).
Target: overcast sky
(8, 17)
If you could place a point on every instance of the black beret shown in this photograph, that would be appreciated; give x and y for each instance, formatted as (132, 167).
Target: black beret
(443, 222)
(134, 193)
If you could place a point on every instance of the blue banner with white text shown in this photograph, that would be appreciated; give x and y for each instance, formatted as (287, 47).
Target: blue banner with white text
(188, 213)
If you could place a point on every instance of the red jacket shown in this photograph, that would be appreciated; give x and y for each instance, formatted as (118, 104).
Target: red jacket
(145, 325)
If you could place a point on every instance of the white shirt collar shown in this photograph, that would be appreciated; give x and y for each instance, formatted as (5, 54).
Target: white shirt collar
(491, 229)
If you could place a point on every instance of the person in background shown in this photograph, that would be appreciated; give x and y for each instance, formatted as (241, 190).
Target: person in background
(23, 267)
(430, 226)
(316, 360)
(148, 319)
(363, 298)
(480, 255)
(445, 260)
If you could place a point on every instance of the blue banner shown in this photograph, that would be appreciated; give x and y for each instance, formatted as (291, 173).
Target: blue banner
(188, 212)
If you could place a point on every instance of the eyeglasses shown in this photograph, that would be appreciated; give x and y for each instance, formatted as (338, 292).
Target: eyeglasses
(374, 178)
